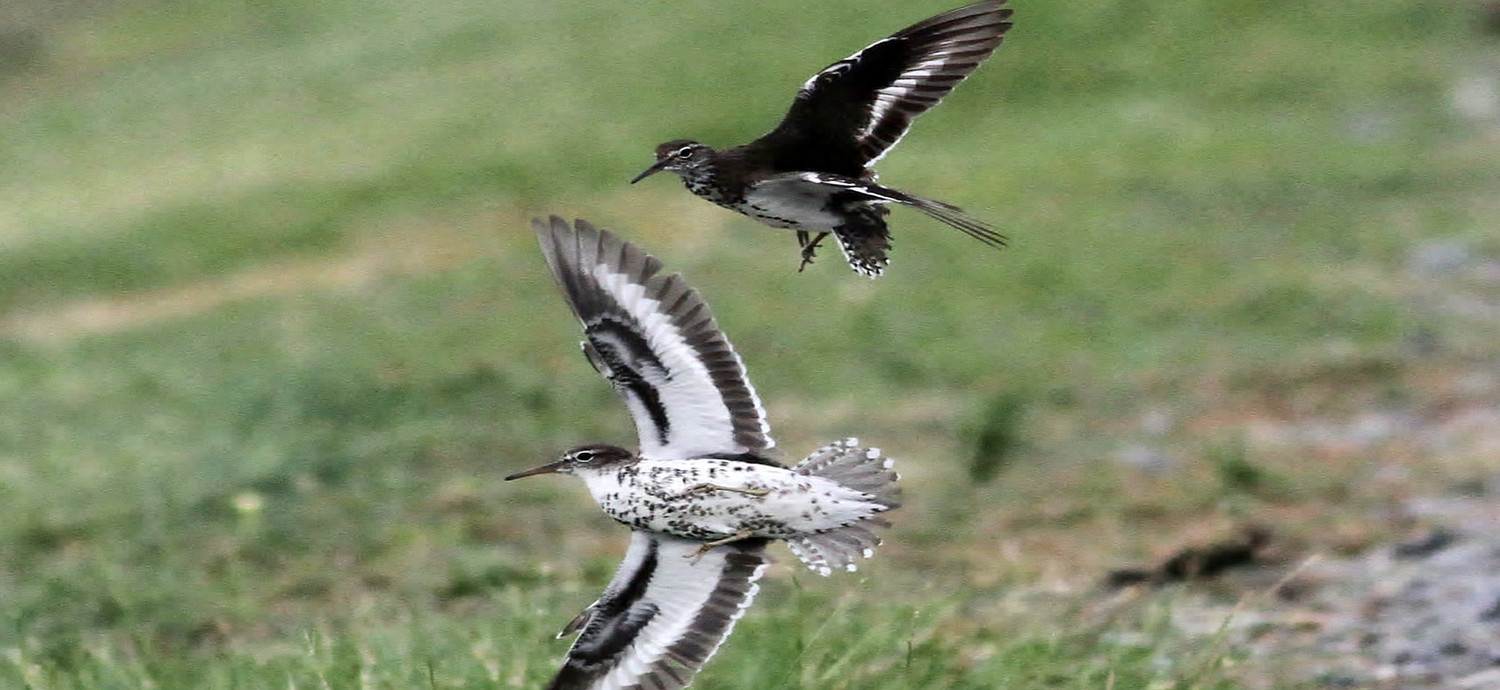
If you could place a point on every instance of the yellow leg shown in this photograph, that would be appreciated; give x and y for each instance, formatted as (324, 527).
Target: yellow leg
(705, 488)
(709, 546)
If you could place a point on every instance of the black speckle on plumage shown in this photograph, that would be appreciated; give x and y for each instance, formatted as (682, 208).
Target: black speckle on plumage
(703, 494)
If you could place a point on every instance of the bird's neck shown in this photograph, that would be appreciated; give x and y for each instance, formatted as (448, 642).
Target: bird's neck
(603, 481)
(717, 178)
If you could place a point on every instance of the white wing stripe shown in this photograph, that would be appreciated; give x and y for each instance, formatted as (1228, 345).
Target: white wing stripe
(656, 340)
(918, 78)
(699, 420)
(683, 591)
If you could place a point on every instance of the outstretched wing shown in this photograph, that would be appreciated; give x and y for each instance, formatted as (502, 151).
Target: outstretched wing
(655, 339)
(663, 615)
(862, 105)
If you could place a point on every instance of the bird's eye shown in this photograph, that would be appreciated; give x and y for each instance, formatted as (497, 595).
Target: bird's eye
(584, 456)
(685, 152)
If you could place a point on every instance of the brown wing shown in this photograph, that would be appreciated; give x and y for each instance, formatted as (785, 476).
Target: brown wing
(862, 105)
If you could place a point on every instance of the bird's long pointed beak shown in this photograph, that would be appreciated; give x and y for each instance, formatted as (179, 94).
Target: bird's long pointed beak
(544, 469)
(655, 168)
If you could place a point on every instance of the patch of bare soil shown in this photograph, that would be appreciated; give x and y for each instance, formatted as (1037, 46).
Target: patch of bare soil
(1421, 612)
(378, 258)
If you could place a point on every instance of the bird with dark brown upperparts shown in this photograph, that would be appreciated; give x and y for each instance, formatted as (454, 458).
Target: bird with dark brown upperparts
(813, 173)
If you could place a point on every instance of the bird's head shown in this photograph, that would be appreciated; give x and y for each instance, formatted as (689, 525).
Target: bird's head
(682, 156)
(581, 459)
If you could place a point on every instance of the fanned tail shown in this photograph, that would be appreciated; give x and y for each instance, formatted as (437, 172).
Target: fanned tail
(865, 239)
(865, 470)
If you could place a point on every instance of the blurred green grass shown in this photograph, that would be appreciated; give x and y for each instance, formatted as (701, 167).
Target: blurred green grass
(273, 324)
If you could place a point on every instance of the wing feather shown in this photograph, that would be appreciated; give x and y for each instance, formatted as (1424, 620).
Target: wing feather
(656, 340)
(864, 104)
(663, 615)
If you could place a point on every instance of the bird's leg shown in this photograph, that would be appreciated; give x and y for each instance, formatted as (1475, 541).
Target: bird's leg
(578, 621)
(809, 247)
(705, 488)
(709, 546)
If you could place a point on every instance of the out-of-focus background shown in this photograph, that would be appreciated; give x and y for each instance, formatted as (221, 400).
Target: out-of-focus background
(273, 325)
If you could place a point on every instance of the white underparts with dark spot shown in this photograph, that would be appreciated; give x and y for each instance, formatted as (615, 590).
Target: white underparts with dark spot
(794, 211)
(659, 495)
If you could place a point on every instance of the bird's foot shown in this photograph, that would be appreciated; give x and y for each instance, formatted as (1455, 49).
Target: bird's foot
(709, 546)
(705, 488)
(809, 247)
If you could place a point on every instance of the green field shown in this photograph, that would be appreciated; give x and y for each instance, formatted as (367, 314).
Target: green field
(273, 325)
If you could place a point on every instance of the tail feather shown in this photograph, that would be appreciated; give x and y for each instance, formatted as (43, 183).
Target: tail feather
(940, 210)
(865, 239)
(954, 216)
(865, 470)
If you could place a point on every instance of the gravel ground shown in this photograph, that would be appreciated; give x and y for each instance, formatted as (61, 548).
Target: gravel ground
(1424, 613)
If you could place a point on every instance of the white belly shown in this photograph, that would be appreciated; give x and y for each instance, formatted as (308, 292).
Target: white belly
(660, 495)
(792, 208)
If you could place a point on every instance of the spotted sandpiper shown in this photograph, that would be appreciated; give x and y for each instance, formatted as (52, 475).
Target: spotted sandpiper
(704, 495)
(813, 173)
